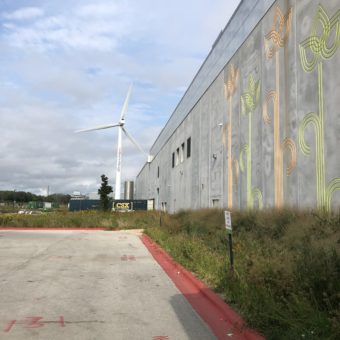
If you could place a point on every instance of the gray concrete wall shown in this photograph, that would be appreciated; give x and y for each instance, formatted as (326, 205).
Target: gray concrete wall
(265, 125)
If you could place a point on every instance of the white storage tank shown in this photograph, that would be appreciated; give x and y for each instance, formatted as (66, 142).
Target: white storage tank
(128, 190)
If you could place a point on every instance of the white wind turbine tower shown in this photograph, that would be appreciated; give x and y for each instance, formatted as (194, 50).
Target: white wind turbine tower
(121, 129)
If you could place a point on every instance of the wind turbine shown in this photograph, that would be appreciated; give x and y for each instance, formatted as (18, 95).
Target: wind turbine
(121, 129)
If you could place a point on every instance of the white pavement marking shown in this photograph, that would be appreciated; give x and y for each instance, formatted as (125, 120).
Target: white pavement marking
(83, 285)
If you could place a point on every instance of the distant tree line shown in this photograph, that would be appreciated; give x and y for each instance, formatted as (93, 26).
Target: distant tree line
(24, 197)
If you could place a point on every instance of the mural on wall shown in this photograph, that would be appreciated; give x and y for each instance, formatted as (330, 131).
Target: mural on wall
(278, 97)
(273, 42)
(315, 50)
(249, 103)
(229, 90)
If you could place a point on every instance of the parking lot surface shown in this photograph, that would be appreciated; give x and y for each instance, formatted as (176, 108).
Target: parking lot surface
(88, 285)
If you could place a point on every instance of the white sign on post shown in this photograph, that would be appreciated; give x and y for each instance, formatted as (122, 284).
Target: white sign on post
(227, 218)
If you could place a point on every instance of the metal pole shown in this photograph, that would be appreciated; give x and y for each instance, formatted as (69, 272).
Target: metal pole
(231, 255)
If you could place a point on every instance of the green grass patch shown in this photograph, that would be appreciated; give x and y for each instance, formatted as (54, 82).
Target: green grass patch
(84, 219)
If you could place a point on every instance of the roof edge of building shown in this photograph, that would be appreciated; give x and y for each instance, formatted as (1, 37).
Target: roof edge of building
(228, 33)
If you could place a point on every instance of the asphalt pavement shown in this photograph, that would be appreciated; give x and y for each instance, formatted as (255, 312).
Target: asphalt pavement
(89, 285)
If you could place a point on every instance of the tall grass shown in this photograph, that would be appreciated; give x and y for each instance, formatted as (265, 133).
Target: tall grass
(286, 281)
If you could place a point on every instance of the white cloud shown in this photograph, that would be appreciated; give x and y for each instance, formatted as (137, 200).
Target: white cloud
(57, 32)
(96, 27)
(68, 65)
(25, 13)
(99, 10)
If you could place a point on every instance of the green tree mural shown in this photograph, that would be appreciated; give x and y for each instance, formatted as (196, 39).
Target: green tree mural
(314, 50)
(249, 102)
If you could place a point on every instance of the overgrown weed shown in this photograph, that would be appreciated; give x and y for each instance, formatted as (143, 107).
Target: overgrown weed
(286, 281)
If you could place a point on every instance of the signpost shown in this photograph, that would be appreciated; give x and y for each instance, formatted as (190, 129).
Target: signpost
(227, 218)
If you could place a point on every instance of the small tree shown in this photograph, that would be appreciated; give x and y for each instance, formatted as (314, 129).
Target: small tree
(104, 192)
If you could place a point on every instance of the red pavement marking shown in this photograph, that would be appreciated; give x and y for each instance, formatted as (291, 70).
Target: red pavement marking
(128, 258)
(62, 321)
(222, 320)
(73, 229)
(9, 326)
(32, 322)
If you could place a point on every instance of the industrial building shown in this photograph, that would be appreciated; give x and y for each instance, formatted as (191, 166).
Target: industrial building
(259, 125)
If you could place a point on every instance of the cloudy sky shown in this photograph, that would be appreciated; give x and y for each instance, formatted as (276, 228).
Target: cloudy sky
(67, 65)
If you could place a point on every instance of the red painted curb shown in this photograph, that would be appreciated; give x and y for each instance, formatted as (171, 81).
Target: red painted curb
(223, 321)
(71, 229)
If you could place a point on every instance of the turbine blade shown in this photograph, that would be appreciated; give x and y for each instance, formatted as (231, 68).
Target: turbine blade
(126, 103)
(98, 128)
(134, 141)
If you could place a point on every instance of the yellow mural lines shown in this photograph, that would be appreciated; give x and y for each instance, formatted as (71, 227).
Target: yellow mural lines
(249, 102)
(230, 87)
(321, 48)
(331, 188)
(278, 36)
